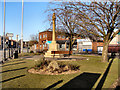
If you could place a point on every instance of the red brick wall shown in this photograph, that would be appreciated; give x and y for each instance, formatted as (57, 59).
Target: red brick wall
(95, 45)
(42, 40)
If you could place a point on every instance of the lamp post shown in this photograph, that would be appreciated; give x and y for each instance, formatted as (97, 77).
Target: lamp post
(4, 56)
(17, 42)
(22, 29)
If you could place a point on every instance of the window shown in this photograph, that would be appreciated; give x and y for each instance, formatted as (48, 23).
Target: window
(45, 44)
(46, 35)
(58, 36)
(63, 36)
(40, 36)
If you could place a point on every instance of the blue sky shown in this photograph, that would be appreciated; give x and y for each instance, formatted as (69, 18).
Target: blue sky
(34, 18)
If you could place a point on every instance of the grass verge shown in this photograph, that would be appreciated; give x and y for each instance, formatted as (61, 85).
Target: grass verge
(14, 73)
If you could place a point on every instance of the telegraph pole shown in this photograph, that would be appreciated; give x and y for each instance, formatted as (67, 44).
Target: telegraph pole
(4, 56)
(17, 42)
(22, 29)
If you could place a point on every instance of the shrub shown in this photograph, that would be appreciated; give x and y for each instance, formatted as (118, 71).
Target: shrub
(41, 63)
(74, 67)
(53, 66)
(31, 51)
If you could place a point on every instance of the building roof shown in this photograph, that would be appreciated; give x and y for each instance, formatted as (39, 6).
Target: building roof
(45, 31)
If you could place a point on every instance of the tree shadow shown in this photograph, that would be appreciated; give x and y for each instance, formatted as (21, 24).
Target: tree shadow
(13, 70)
(100, 84)
(11, 78)
(117, 88)
(84, 80)
(53, 85)
(12, 64)
(27, 57)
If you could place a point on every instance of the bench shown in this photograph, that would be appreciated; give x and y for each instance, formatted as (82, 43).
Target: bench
(64, 53)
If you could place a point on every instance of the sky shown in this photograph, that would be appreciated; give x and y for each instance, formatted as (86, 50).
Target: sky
(34, 18)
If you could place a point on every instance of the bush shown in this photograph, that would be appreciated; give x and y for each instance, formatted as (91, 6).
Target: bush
(51, 66)
(41, 63)
(74, 67)
(31, 51)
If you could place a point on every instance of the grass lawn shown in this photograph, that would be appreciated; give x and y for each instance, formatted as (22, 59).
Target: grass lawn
(15, 75)
(113, 74)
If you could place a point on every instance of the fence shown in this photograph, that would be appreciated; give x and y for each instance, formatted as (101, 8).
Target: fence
(9, 52)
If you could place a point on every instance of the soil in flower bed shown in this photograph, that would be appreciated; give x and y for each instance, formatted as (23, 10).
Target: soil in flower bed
(54, 68)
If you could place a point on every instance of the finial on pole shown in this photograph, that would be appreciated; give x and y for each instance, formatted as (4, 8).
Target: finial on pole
(53, 16)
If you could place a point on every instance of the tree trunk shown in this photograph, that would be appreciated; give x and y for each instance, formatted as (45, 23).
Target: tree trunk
(70, 46)
(105, 52)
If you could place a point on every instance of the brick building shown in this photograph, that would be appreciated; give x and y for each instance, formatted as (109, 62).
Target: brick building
(45, 38)
(89, 45)
(8, 43)
(97, 46)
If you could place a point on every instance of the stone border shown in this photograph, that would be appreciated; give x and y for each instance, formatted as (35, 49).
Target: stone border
(116, 83)
(42, 72)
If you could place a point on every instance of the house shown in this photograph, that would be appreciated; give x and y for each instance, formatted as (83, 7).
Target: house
(84, 44)
(45, 38)
(115, 40)
(89, 45)
(6, 42)
(80, 45)
(97, 46)
(114, 46)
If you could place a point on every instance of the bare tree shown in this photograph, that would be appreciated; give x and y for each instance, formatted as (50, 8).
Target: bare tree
(34, 37)
(99, 19)
(66, 23)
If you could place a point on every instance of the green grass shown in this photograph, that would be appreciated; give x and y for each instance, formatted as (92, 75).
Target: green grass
(113, 74)
(93, 65)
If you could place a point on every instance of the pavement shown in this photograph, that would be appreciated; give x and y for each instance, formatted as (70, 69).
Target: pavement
(1, 55)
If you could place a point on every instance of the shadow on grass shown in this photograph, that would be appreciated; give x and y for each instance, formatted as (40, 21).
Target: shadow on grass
(11, 78)
(24, 57)
(13, 70)
(48, 88)
(100, 84)
(117, 88)
(12, 64)
(84, 80)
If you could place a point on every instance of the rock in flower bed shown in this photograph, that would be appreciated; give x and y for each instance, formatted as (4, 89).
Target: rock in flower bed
(53, 68)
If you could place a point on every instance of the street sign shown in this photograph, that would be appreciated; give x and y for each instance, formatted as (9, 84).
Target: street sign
(9, 34)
